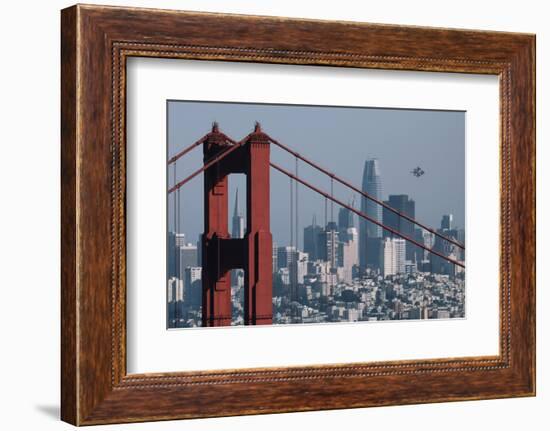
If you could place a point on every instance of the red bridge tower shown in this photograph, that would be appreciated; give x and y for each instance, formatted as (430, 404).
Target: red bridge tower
(220, 252)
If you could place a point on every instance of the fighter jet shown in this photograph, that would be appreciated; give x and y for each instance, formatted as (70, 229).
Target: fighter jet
(417, 172)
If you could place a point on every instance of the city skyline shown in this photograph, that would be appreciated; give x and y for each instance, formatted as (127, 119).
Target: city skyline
(326, 282)
(330, 261)
(296, 273)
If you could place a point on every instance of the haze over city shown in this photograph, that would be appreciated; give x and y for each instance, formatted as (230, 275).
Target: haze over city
(328, 263)
(340, 139)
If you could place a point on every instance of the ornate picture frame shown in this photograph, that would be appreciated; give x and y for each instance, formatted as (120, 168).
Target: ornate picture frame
(96, 42)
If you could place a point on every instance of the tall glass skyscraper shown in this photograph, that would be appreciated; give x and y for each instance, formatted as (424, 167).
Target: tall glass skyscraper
(370, 235)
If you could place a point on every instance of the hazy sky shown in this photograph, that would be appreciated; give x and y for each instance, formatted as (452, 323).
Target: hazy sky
(338, 138)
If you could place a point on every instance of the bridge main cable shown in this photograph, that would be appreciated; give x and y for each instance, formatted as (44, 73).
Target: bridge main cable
(195, 145)
(366, 195)
(186, 150)
(210, 162)
(365, 216)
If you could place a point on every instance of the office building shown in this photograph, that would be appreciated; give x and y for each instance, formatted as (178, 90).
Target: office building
(393, 256)
(311, 240)
(187, 256)
(438, 264)
(193, 286)
(328, 241)
(175, 240)
(274, 259)
(346, 220)
(447, 221)
(348, 255)
(284, 256)
(406, 206)
(370, 234)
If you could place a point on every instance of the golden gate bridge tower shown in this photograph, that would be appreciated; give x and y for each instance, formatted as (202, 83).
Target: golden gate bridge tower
(220, 252)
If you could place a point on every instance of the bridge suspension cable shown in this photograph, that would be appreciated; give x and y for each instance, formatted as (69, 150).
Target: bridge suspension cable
(365, 216)
(296, 206)
(209, 163)
(196, 144)
(187, 149)
(364, 194)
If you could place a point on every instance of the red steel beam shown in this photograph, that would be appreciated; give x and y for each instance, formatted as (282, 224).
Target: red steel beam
(366, 195)
(365, 216)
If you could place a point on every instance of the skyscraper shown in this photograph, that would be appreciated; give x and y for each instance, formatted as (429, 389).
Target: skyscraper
(175, 241)
(311, 240)
(171, 252)
(427, 239)
(274, 258)
(438, 264)
(404, 205)
(348, 254)
(447, 221)
(193, 289)
(237, 222)
(175, 301)
(328, 241)
(298, 267)
(284, 256)
(370, 235)
(186, 256)
(345, 220)
(237, 231)
(393, 256)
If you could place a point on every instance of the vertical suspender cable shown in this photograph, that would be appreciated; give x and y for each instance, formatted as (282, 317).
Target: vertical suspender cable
(291, 212)
(296, 208)
(326, 213)
(218, 212)
(175, 203)
(332, 242)
(290, 250)
(297, 234)
(332, 196)
(175, 251)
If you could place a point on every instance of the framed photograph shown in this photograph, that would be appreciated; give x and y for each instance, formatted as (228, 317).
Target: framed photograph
(322, 214)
